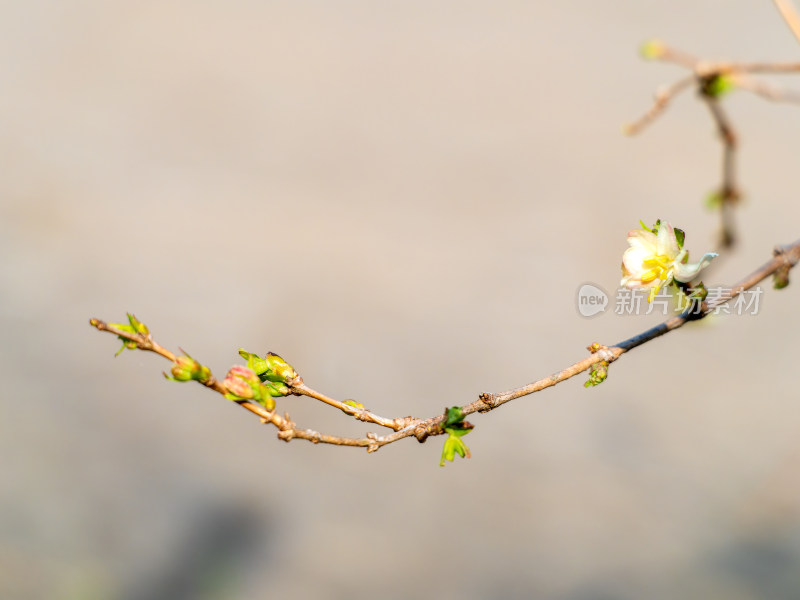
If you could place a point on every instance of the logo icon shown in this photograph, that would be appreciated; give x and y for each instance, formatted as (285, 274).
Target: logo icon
(592, 300)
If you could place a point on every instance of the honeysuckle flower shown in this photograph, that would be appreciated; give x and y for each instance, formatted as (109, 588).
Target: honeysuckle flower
(656, 259)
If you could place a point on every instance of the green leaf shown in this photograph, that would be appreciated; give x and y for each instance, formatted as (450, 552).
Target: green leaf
(137, 325)
(717, 86)
(454, 445)
(713, 200)
(254, 362)
(453, 415)
(680, 236)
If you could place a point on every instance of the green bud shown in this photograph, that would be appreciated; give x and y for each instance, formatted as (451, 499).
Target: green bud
(244, 374)
(652, 49)
(717, 85)
(279, 369)
(238, 389)
(272, 388)
(713, 200)
(186, 368)
(698, 293)
(271, 368)
(134, 327)
(242, 384)
(781, 278)
(254, 362)
(137, 325)
(597, 374)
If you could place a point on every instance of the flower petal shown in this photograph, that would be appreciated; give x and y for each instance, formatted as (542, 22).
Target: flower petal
(639, 238)
(633, 260)
(685, 273)
(667, 242)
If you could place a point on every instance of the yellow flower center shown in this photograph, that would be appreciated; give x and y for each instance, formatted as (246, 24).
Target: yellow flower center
(660, 266)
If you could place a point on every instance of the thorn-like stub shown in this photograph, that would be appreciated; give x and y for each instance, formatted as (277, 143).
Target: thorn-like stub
(488, 400)
(421, 433)
(403, 422)
(373, 445)
(297, 382)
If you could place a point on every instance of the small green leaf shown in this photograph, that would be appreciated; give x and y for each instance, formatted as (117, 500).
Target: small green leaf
(717, 86)
(454, 445)
(137, 325)
(353, 403)
(453, 415)
(713, 200)
(680, 236)
(255, 363)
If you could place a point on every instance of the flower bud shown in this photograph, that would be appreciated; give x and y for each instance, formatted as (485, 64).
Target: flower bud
(244, 374)
(137, 325)
(238, 389)
(781, 278)
(271, 368)
(186, 368)
(279, 369)
(272, 388)
(652, 49)
(242, 384)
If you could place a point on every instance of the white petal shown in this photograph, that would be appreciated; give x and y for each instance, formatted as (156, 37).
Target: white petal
(633, 259)
(639, 238)
(685, 273)
(667, 242)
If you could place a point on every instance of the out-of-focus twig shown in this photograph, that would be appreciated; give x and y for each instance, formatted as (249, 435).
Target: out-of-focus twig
(713, 79)
(790, 15)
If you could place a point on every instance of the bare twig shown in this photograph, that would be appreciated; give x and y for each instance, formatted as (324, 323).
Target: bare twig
(728, 192)
(662, 98)
(785, 258)
(790, 15)
(712, 79)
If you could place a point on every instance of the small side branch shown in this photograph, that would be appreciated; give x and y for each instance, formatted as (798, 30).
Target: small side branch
(713, 79)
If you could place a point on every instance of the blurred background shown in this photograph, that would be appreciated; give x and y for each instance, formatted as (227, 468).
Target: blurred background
(402, 199)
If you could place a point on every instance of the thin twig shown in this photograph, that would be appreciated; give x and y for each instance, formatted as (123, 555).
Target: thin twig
(728, 192)
(765, 90)
(785, 258)
(662, 98)
(790, 15)
(712, 79)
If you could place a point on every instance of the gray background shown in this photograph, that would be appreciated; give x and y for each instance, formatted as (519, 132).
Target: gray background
(402, 198)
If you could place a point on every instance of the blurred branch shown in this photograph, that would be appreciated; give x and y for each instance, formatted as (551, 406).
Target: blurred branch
(790, 15)
(712, 81)
(138, 337)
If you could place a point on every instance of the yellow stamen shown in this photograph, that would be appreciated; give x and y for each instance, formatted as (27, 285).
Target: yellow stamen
(650, 275)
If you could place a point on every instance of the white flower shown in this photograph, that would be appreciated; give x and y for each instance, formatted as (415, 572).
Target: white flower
(655, 260)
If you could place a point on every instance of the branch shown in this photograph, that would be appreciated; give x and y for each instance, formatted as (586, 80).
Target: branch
(712, 80)
(138, 336)
(790, 15)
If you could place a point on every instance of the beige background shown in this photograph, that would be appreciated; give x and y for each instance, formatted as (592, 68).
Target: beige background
(402, 198)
